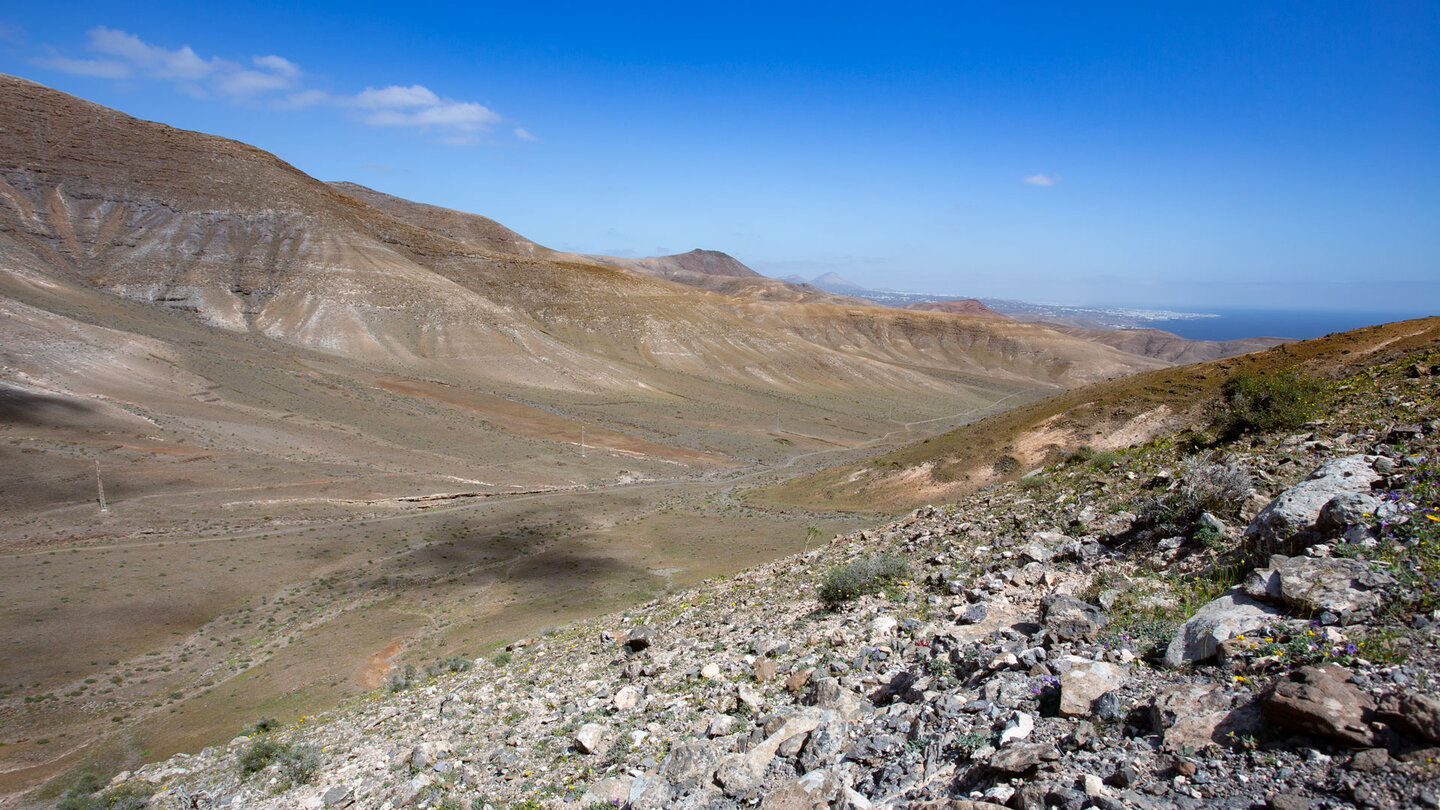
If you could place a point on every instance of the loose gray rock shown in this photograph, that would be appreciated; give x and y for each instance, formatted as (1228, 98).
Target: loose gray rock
(1345, 510)
(640, 638)
(1022, 758)
(1319, 584)
(1230, 615)
(627, 699)
(590, 738)
(1069, 618)
(1190, 717)
(691, 763)
(974, 614)
(1084, 682)
(338, 796)
(613, 791)
(1413, 714)
(1298, 507)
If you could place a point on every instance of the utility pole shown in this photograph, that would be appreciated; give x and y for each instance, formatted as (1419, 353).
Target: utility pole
(100, 487)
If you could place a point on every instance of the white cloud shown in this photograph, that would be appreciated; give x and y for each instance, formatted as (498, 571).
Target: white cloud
(152, 60)
(247, 82)
(279, 82)
(276, 64)
(413, 96)
(456, 122)
(524, 135)
(1041, 180)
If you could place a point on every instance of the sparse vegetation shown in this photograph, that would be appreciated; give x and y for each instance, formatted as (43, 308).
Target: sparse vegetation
(1206, 484)
(454, 663)
(859, 577)
(295, 764)
(1096, 459)
(400, 679)
(86, 794)
(1254, 402)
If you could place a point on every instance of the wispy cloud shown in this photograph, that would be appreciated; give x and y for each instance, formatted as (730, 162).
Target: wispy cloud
(278, 83)
(1041, 179)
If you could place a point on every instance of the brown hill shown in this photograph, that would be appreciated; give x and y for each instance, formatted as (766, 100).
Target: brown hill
(707, 262)
(958, 306)
(722, 273)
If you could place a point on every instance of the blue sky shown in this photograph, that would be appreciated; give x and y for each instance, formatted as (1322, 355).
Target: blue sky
(1274, 155)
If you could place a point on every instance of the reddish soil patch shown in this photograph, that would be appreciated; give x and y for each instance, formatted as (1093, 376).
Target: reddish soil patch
(378, 663)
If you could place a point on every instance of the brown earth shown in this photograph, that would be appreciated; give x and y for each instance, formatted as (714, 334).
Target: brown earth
(1109, 414)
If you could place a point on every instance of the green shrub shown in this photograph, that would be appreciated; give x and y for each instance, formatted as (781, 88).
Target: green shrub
(869, 575)
(1252, 402)
(258, 755)
(455, 663)
(296, 764)
(266, 724)
(401, 679)
(501, 658)
(299, 764)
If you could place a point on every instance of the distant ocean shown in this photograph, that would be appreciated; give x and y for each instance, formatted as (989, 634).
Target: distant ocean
(1299, 324)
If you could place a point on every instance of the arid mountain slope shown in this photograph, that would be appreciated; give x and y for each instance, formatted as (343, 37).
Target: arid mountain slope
(248, 243)
(1110, 414)
(1167, 346)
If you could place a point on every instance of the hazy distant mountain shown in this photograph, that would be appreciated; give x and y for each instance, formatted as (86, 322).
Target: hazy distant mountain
(829, 280)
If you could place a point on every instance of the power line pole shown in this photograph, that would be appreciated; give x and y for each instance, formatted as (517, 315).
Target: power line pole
(100, 487)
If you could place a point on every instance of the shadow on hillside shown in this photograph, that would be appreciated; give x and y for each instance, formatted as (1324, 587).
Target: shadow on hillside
(21, 407)
(534, 557)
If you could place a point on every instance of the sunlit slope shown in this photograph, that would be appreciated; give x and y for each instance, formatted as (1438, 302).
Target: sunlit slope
(240, 241)
(1110, 414)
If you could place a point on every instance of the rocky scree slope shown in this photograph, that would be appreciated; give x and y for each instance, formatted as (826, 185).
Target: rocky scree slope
(1250, 625)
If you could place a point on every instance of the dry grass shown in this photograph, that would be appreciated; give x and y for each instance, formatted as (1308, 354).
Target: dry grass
(1132, 409)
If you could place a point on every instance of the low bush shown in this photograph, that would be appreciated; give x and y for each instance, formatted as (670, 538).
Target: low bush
(1252, 402)
(455, 663)
(1216, 486)
(400, 679)
(296, 764)
(1098, 459)
(865, 576)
